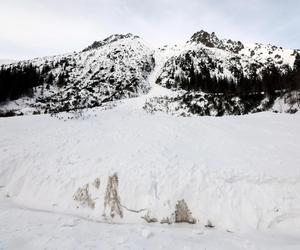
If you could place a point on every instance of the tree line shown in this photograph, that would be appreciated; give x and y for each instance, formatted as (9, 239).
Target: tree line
(20, 80)
(271, 81)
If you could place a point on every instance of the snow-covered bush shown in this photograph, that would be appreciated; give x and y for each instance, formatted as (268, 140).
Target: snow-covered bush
(112, 199)
(83, 196)
(166, 220)
(96, 183)
(148, 218)
(183, 214)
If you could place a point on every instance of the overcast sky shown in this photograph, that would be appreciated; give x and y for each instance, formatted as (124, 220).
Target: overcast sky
(31, 28)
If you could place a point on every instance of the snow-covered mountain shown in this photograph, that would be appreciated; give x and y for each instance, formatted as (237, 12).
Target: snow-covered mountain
(96, 178)
(236, 78)
(124, 66)
(224, 58)
(116, 69)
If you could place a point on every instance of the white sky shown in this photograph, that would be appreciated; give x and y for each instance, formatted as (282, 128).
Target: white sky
(31, 28)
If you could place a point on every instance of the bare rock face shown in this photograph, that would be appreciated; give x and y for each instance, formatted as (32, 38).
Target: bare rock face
(209, 40)
(212, 41)
(108, 40)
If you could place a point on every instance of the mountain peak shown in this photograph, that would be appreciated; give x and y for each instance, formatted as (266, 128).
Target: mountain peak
(205, 38)
(108, 40)
(212, 41)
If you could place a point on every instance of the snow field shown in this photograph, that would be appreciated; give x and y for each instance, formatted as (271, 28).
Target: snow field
(238, 172)
(23, 228)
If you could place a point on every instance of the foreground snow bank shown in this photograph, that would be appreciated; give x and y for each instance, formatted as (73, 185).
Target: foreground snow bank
(30, 229)
(241, 173)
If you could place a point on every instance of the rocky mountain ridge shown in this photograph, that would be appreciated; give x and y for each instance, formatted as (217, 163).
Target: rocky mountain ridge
(120, 66)
(212, 41)
(115, 70)
(109, 40)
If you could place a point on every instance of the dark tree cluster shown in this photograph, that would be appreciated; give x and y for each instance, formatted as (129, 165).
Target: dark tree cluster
(205, 82)
(271, 82)
(18, 81)
(62, 79)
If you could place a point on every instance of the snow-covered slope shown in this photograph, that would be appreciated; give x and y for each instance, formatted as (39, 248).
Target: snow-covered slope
(124, 66)
(223, 58)
(227, 70)
(232, 171)
(116, 70)
(62, 176)
(30, 229)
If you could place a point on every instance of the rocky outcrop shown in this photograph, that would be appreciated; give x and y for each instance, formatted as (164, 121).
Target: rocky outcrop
(108, 40)
(212, 41)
